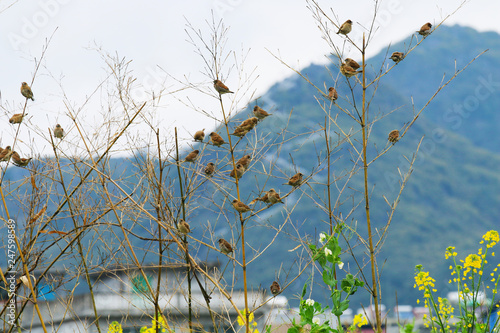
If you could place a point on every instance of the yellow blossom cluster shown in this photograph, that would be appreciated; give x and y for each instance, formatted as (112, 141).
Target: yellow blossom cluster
(242, 321)
(359, 320)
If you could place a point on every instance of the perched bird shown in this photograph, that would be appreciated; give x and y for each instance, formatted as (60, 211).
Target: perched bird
(209, 169)
(5, 154)
(295, 180)
(260, 113)
(425, 30)
(221, 87)
(275, 288)
(199, 135)
(394, 136)
(397, 56)
(345, 28)
(239, 171)
(249, 123)
(274, 197)
(58, 132)
(240, 132)
(17, 118)
(18, 161)
(347, 70)
(240, 206)
(354, 65)
(332, 94)
(191, 157)
(245, 161)
(183, 227)
(26, 91)
(216, 139)
(224, 246)
(264, 198)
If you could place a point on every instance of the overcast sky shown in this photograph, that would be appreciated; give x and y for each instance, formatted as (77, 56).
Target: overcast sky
(152, 34)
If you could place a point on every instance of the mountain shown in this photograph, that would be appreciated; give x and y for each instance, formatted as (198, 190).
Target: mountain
(452, 197)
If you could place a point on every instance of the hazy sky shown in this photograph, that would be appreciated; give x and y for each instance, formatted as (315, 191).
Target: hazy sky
(152, 35)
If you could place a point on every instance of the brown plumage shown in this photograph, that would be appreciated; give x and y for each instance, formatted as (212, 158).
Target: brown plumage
(275, 288)
(192, 156)
(18, 161)
(240, 132)
(5, 154)
(58, 132)
(216, 139)
(394, 136)
(347, 70)
(425, 30)
(239, 171)
(259, 113)
(17, 118)
(26, 91)
(199, 135)
(354, 65)
(274, 197)
(224, 246)
(209, 169)
(240, 206)
(345, 28)
(295, 180)
(249, 123)
(221, 87)
(264, 198)
(183, 227)
(397, 56)
(332, 94)
(245, 161)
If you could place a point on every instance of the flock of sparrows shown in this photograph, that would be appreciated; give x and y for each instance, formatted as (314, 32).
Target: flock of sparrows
(350, 67)
(270, 197)
(17, 118)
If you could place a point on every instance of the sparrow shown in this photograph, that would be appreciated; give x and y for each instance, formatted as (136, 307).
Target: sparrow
(209, 169)
(221, 87)
(347, 70)
(295, 180)
(240, 132)
(352, 63)
(275, 288)
(345, 28)
(240, 206)
(18, 161)
(17, 118)
(245, 161)
(216, 139)
(239, 171)
(274, 197)
(183, 227)
(397, 56)
(264, 198)
(26, 91)
(224, 246)
(191, 157)
(394, 136)
(58, 132)
(332, 94)
(199, 135)
(425, 30)
(249, 123)
(260, 113)
(5, 154)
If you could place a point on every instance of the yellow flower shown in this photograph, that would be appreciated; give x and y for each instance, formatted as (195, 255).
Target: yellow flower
(423, 280)
(115, 327)
(491, 236)
(359, 320)
(473, 260)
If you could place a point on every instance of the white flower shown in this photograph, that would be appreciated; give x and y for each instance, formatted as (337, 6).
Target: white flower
(310, 302)
(328, 252)
(322, 237)
(340, 264)
(316, 320)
